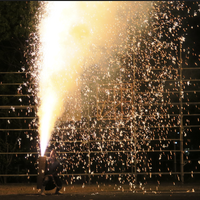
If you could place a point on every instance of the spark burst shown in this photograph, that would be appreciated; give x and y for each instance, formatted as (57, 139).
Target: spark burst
(153, 34)
(68, 30)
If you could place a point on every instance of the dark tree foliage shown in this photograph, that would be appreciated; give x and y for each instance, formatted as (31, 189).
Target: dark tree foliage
(18, 19)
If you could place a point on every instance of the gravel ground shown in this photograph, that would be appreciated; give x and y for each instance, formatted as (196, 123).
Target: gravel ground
(106, 192)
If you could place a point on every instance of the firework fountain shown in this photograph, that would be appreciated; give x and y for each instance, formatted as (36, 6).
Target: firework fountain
(69, 34)
(125, 41)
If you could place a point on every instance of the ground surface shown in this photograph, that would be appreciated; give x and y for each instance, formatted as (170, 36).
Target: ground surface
(103, 192)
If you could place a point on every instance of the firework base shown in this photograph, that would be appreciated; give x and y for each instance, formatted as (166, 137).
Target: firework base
(41, 171)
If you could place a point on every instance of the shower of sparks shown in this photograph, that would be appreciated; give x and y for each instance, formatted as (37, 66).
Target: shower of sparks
(68, 32)
(85, 46)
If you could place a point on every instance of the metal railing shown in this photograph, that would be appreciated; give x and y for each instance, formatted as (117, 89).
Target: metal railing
(132, 132)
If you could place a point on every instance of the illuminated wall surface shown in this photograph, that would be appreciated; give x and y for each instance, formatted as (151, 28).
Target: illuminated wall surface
(116, 84)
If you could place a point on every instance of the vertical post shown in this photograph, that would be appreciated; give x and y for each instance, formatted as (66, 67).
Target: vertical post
(135, 151)
(97, 100)
(89, 168)
(115, 104)
(131, 148)
(181, 116)
(175, 157)
(88, 118)
(134, 122)
(121, 102)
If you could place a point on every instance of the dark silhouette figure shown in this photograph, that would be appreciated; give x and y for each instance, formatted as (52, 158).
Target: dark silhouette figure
(51, 179)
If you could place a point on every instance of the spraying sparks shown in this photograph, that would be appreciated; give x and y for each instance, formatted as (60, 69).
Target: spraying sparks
(58, 67)
(135, 115)
(69, 33)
